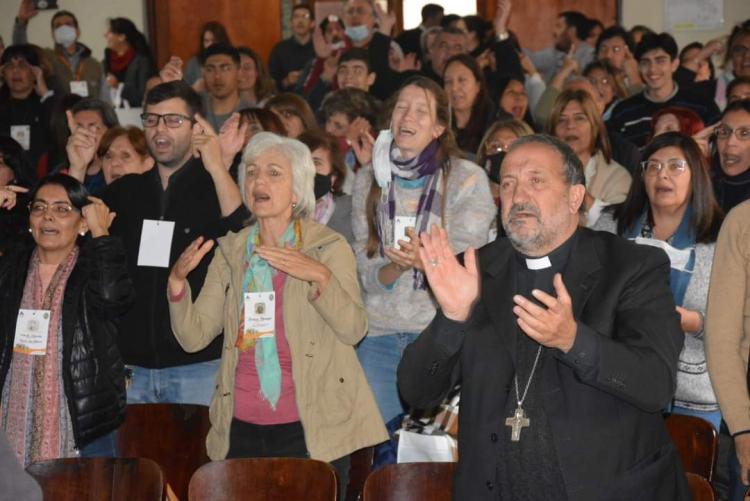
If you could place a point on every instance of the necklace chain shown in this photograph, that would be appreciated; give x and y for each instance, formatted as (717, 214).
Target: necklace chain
(521, 398)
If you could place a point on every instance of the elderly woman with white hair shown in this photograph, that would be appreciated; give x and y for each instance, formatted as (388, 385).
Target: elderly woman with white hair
(285, 293)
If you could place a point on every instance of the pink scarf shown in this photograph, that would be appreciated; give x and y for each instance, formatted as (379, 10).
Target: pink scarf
(34, 408)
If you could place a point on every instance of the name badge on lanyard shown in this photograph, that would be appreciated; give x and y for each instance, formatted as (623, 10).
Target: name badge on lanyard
(400, 224)
(79, 87)
(32, 331)
(678, 258)
(22, 135)
(156, 243)
(260, 316)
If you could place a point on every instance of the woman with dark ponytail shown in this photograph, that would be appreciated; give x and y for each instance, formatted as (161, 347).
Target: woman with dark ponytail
(128, 62)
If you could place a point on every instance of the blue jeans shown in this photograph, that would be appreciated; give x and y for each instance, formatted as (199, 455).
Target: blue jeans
(379, 357)
(103, 447)
(183, 384)
(713, 417)
(737, 489)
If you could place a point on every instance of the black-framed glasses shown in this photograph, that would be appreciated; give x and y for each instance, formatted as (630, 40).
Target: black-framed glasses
(60, 209)
(725, 132)
(171, 120)
(653, 167)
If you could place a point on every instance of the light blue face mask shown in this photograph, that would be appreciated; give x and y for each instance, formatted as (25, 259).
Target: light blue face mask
(357, 33)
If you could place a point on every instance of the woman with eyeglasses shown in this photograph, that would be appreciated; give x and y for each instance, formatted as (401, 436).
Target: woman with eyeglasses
(61, 293)
(491, 154)
(731, 165)
(575, 119)
(671, 206)
(493, 147)
(602, 77)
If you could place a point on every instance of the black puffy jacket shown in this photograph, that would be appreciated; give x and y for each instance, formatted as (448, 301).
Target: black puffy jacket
(97, 293)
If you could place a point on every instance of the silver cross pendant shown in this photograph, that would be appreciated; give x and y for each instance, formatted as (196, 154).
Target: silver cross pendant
(517, 422)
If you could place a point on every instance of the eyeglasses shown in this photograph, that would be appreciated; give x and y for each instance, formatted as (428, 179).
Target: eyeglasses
(599, 81)
(724, 132)
(59, 209)
(171, 120)
(616, 49)
(675, 166)
(495, 147)
(740, 50)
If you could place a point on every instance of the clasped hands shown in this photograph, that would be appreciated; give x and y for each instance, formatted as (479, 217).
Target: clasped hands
(456, 288)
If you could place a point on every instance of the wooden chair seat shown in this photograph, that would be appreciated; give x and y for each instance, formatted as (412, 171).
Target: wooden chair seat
(697, 443)
(99, 479)
(411, 482)
(700, 488)
(173, 435)
(262, 479)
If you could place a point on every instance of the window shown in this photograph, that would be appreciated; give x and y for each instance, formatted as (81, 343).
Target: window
(413, 10)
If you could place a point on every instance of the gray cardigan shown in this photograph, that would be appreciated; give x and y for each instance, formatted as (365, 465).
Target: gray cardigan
(469, 211)
(694, 390)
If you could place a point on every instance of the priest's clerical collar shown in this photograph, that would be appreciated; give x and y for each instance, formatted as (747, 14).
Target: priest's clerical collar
(555, 259)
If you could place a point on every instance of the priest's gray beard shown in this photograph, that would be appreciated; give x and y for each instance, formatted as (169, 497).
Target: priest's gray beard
(529, 233)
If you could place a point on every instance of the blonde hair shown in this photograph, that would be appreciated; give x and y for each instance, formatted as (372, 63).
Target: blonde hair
(517, 127)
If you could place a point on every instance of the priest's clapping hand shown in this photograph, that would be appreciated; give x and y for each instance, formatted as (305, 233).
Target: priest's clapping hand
(551, 325)
(455, 287)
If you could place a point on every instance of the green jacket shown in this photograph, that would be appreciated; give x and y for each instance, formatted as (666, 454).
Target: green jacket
(89, 70)
(335, 404)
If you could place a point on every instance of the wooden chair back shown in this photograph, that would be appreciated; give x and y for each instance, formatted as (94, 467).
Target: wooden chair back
(99, 479)
(261, 479)
(697, 443)
(173, 435)
(359, 470)
(411, 482)
(700, 488)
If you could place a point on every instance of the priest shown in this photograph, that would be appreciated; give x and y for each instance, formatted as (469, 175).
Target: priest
(565, 342)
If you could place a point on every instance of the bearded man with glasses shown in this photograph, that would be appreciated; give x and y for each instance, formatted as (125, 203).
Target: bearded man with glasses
(159, 213)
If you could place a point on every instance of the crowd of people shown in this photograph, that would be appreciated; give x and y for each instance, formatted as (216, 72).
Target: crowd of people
(315, 244)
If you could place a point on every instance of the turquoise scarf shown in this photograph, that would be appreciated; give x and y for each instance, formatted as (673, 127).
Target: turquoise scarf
(258, 277)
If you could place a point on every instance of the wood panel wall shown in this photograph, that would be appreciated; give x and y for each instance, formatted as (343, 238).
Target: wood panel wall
(174, 25)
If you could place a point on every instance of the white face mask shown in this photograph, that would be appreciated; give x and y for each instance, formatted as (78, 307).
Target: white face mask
(381, 158)
(65, 35)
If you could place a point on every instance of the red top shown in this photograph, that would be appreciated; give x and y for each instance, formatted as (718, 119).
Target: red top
(249, 404)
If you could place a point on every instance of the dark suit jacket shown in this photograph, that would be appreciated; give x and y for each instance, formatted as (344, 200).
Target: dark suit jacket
(603, 398)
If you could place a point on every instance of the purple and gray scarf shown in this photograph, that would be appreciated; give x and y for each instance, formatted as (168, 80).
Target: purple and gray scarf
(430, 201)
